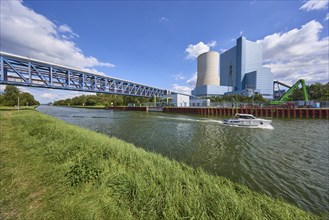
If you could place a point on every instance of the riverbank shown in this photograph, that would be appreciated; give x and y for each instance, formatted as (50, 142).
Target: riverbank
(14, 108)
(51, 170)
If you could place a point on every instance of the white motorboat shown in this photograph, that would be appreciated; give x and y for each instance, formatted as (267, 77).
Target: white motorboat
(247, 120)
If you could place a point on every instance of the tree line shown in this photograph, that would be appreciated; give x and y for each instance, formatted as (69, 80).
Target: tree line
(11, 94)
(316, 91)
(103, 99)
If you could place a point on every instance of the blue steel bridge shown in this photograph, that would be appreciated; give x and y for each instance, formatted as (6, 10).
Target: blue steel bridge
(23, 71)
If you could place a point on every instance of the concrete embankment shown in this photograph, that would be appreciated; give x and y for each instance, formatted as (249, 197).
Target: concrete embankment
(311, 113)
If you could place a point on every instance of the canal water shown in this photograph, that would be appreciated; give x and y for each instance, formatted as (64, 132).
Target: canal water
(290, 161)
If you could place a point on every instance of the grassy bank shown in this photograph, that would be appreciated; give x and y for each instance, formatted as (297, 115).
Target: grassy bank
(52, 170)
(13, 108)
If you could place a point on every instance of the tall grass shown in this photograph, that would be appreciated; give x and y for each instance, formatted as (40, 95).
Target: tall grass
(52, 170)
(12, 108)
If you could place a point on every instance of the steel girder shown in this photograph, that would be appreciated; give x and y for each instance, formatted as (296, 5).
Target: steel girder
(22, 71)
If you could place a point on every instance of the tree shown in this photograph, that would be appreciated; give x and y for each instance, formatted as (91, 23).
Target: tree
(91, 101)
(11, 94)
(325, 92)
(27, 99)
(259, 98)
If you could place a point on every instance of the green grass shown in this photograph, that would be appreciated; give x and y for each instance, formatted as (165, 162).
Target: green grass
(52, 170)
(12, 108)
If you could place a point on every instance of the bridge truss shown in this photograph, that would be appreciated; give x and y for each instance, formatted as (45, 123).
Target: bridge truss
(23, 71)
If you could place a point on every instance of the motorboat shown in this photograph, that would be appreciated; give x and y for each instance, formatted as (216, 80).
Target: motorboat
(247, 120)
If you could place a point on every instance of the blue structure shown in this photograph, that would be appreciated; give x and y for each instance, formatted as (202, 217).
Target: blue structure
(23, 71)
(241, 69)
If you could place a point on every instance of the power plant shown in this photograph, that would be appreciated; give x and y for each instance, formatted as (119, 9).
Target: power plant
(208, 69)
(208, 75)
(241, 72)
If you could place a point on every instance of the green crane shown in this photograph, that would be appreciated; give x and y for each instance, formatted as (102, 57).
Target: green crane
(285, 96)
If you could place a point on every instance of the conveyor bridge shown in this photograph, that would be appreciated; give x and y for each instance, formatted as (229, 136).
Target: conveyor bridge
(23, 71)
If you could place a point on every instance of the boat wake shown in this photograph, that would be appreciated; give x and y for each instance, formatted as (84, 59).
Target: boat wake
(192, 120)
(269, 127)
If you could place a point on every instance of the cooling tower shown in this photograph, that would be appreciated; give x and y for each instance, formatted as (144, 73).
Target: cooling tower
(208, 69)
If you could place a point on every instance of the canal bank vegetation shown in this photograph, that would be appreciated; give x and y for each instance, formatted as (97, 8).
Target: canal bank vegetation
(316, 91)
(12, 95)
(105, 100)
(15, 108)
(53, 170)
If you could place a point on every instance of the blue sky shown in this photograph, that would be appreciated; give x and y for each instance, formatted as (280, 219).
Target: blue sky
(157, 42)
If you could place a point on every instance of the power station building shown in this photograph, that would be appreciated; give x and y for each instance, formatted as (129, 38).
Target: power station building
(241, 72)
(208, 75)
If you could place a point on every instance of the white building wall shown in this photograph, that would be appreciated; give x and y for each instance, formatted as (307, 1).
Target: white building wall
(183, 100)
(253, 57)
(179, 100)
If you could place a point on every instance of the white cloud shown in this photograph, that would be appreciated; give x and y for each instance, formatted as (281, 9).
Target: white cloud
(223, 50)
(163, 20)
(189, 85)
(67, 29)
(191, 82)
(50, 95)
(314, 5)
(327, 17)
(179, 76)
(182, 89)
(212, 43)
(193, 51)
(42, 39)
(298, 53)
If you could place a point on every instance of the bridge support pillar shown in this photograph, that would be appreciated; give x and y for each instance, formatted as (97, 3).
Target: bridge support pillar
(51, 76)
(4, 75)
(2, 69)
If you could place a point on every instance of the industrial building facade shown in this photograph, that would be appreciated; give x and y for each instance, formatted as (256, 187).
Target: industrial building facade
(208, 75)
(241, 72)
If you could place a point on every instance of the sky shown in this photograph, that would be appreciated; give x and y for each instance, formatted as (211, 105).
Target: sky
(157, 42)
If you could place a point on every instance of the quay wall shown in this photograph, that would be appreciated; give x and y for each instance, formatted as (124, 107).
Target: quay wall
(310, 113)
(258, 112)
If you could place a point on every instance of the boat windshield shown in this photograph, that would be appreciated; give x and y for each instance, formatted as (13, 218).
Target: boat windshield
(244, 116)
